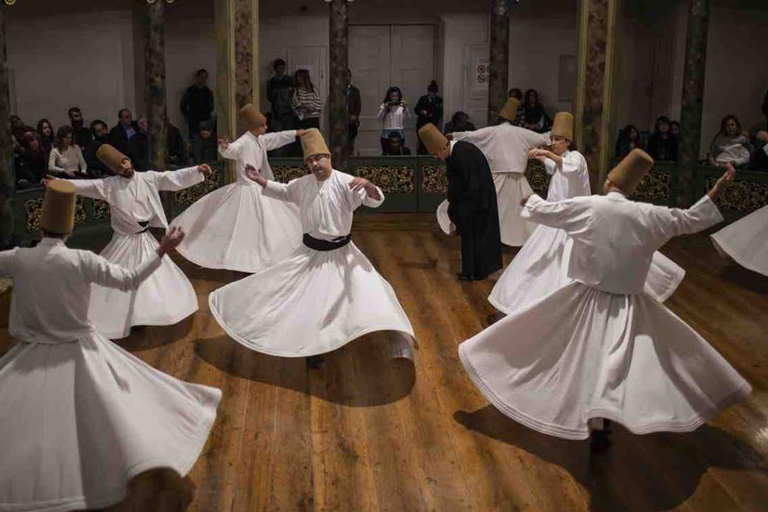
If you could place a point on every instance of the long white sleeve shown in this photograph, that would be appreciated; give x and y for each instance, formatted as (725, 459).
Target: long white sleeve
(80, 160)
(6, 261)
(571, 215)
(232, 151)
(278, 139)
(670, 222)
(283, 192)
(176, 180)
(94, 189)
(98, 270)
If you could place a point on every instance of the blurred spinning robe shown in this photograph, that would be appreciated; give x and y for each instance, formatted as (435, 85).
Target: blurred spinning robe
(746, 241)
(541, 266)
(318, 299)
(167, 297)
(81, 415)
(599, 347)
(237, 227)
(506, 148)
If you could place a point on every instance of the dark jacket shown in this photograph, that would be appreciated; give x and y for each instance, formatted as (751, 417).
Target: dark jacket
(354, 104)
(196, 105)
(176, 149)
(279, 93)
(434, 109)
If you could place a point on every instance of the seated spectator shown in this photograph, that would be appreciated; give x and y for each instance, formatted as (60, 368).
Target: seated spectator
(730, 145)
(661, 145)
(122, 135)
(674, 129)
(99, 132)
(17, 128)
(140, 146)
(176, 154)
(33, 164)
(459, 123)
(82, 135)
(66, 159)
(535, 118)
(395, 146)
(204, 144)
(629, 139)
(45, 133)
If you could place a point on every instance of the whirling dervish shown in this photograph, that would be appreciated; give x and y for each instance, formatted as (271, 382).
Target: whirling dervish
(237, 227)
(599, 348)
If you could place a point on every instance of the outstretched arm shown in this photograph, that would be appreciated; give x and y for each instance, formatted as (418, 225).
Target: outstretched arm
(181, 179)
(273, 189)
(279, 139)
(94, 189)
(571, 215)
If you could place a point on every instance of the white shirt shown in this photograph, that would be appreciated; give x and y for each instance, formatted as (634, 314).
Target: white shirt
(250, 149)
(393, 119)
(136, 200)
(505, 146)
(614, 238)
(71, 160)
(52, 289)
(327, 207)
(571, 179)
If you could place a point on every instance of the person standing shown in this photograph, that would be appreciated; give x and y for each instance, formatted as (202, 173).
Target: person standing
(429, 109)
(279, 94)
(81, 134)
(327, 293)
(237, 227)
(506, 147)
(197, 103)
(471, 204)
(392, 113)
(84, 416)
(354, 106)
(165, 298)
(599, 348)
(306, 101)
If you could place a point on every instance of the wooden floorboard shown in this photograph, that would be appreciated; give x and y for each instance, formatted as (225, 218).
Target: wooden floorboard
(363, 433)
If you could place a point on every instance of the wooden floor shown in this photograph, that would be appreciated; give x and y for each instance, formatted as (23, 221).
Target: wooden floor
(362, 433)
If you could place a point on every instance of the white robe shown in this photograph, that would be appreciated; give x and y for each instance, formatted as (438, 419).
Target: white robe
(599, 347)
(81, 416)
(746, 241)
(315, 301)
(236, 227)
(506, 148)
(541, 266)
(167, 297)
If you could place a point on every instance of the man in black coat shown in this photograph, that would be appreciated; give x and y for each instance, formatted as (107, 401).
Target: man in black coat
(472, 203)
(197, 103)
(429, 109)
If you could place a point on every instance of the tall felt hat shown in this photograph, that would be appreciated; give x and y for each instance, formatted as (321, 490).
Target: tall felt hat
(109, 156)
(59, 207)
(313, 143)
(563, 125)
(630, 171)
(252, 117)
(432, 138)
(509, 110)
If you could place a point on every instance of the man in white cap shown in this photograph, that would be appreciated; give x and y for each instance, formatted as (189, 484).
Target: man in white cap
(327, 293)
(599, 348)
(82, 417)
(167, 297)
(236, 227)
(506, 148)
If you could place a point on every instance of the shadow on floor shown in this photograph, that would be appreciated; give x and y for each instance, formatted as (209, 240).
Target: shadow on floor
(745, 278)
(357, 375)
(649, 472)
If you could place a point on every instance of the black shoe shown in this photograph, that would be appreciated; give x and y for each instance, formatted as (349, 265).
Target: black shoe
(315, 362)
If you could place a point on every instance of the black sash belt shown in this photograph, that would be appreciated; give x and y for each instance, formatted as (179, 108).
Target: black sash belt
(326, 245)
(145, 225)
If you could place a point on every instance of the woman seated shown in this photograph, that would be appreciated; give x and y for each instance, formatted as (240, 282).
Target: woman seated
(662, 146)
(66, 159)
(629, 139)
(730, 145)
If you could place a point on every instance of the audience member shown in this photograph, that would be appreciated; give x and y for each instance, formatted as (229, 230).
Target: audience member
(392, 113)
(517, 93)
(99, 132)
(459, 123)
(33, 165)
(534, 116)
(122, 135)
(176, 151)
(140, 145)
(66, 159)
(629, 139)
(204, 144)
(280, 94)
(674, 129)
(730, 145)
(395, 145)
(306, 101)
(662, 146)
(354, 106)
(429, 109)
(81, 134)
(45, 132)
(197, 102)
(17, 128)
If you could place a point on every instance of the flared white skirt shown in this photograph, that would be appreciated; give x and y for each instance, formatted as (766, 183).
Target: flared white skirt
(541, 267)
(238, 228)
(312, 303)
(746, 241)
(580, 353)
(81, 419)
(164, 298)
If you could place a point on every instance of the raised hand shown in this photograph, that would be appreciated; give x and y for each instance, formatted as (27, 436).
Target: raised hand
(253, 174)
(223, 142)
(170, 241)
(204, 169)
(723, 181)
(359, 184)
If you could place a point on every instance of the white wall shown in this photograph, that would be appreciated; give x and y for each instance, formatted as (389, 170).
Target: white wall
(64, 61)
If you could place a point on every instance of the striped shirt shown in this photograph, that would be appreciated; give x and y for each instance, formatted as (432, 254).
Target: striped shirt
(306, 103)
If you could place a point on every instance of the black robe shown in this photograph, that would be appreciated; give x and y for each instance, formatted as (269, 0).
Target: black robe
(473, 210)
